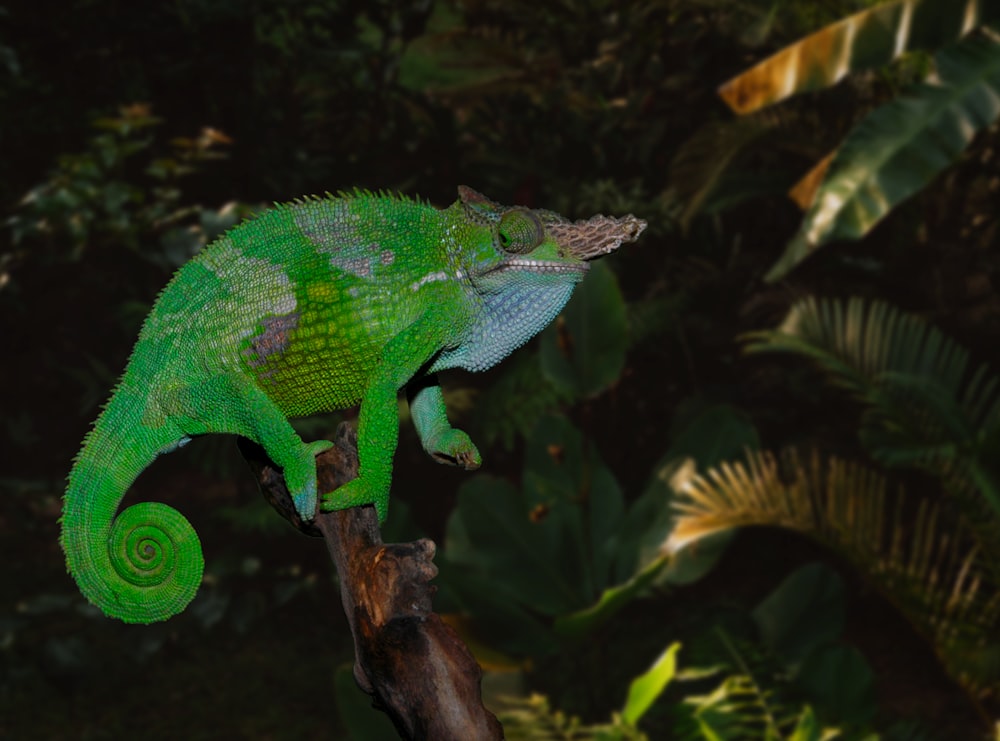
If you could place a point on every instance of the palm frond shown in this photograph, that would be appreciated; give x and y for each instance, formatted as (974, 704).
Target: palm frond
(752, 701)
(927, 406)
(933, 574)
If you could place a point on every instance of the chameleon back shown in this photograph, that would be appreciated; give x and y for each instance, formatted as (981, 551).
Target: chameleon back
(301, 298)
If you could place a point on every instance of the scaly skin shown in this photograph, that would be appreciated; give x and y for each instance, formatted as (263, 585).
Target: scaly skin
(311, 307)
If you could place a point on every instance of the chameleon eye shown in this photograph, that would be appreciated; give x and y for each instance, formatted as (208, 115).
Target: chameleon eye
(520, 231)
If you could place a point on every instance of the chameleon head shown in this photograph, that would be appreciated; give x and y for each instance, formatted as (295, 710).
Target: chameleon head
(544, 241)
(522, 267)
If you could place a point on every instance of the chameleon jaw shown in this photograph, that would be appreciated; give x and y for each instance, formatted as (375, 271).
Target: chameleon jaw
(539, 266)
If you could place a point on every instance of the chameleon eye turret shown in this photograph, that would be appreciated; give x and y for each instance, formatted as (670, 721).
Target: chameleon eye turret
(520, 231)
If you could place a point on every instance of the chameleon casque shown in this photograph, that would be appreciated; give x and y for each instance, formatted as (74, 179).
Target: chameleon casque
(311, 307)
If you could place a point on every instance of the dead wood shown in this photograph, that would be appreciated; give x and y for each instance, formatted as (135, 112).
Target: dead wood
(413, 664)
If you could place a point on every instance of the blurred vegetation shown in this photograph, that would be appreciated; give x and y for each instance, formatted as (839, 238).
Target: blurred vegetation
(633, 562)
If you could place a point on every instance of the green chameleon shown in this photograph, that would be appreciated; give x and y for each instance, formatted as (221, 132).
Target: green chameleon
(311, 307)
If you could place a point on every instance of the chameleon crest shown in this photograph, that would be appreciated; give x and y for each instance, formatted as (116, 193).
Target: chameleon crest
(311, 307)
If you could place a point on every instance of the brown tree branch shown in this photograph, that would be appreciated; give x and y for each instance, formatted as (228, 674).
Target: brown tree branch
(413, 664)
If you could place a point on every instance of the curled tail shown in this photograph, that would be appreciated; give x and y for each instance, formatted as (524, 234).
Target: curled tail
(144, 565)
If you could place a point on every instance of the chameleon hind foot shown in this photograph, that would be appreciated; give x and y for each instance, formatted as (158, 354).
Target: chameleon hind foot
(301, 479)
(355, 493)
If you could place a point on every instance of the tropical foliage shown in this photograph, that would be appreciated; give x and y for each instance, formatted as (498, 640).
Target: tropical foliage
(714, 506)
(901, 146)
(932, 570)
(926, 406)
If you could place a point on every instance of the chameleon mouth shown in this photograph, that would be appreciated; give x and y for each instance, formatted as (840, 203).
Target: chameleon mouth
(540, 266)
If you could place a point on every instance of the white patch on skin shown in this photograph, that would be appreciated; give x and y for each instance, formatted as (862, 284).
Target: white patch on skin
(248, 281)
(269, 281)
(431, 278)
(359, 267)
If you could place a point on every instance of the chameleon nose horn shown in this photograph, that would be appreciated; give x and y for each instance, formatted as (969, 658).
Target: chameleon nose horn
(587, 239)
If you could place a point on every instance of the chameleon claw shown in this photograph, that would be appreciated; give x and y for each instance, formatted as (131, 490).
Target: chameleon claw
(305, 500)
(469, 460)
(454, 448)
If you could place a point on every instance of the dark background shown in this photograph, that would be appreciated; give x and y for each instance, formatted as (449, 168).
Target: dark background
(132, 132)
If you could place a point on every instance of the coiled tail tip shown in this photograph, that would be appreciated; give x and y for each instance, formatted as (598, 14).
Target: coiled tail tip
(148, 569)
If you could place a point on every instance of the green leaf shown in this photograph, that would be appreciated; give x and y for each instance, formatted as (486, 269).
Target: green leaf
(550, 546)
(737, 709)
(804, 612)
(706, 432)
(606, 513)
(838, 681)
(645, 688)
(807, 728)
(583, 505)
(710, 432)
(508, 546)
(583, 352)
(703, 434)
(900, 147)
(647, 524)
(516, 401)
(500, 619)
(867, 39)
(553, 548)
(612, 600)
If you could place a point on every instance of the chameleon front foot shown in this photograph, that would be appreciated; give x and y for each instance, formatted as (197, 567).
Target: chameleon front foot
(454, 448)
(355, 493)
